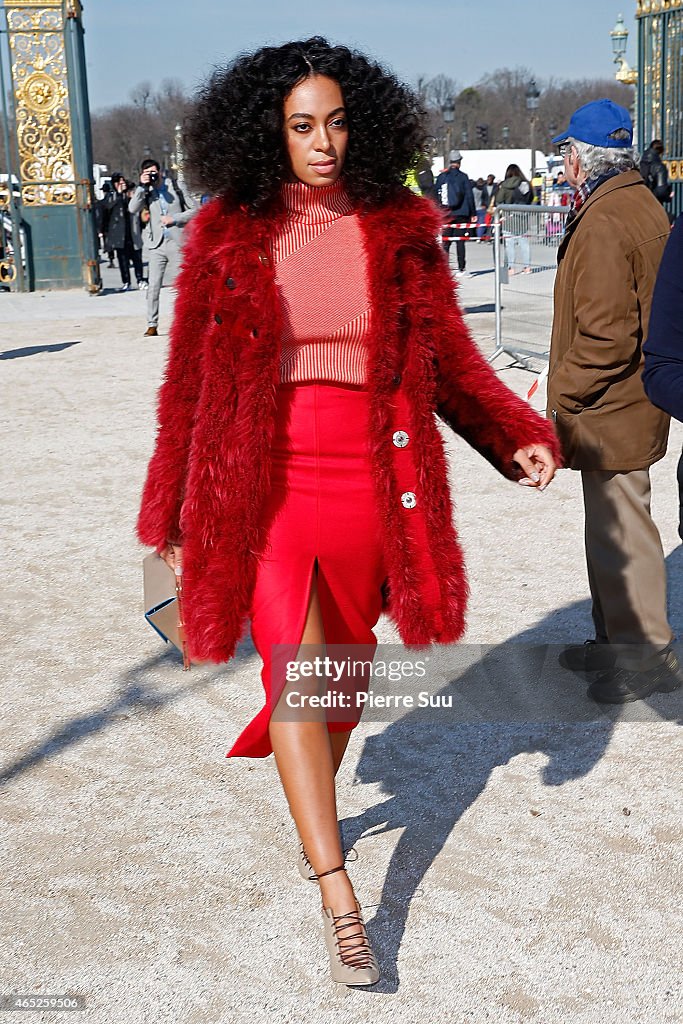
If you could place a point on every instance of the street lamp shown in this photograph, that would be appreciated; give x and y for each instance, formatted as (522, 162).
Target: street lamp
(464, 135)
(448, 111)
(619, 34)
(505, 135)
(532, 95)
(179, 155)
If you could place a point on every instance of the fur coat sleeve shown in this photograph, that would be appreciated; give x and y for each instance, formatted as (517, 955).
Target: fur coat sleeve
(475, 403)
(470, 397)
(163, 493)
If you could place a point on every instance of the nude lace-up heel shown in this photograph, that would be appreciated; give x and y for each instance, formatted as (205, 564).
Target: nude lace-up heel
(351, 962)
(305, 867)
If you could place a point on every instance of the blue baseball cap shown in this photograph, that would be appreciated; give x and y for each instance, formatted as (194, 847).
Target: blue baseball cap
(595, 122)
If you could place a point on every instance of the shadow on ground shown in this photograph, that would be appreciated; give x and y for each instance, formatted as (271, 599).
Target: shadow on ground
(34, 350)
(508, 699)
(135, 696)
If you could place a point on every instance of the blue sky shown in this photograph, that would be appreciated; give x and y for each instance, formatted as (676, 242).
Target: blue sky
(129, 41)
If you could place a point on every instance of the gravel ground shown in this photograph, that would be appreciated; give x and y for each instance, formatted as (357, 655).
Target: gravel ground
(519, 856)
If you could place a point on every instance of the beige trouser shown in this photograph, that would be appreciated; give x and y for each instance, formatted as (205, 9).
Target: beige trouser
(626, 570)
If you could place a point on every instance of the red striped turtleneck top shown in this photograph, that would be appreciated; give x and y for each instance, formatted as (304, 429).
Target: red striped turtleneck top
(321, 275)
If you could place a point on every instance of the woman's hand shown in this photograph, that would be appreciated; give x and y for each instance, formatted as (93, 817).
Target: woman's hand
(172, 554)
(538, 464)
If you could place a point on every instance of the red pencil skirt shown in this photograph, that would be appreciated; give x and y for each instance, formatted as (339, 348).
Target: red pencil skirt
(321, 515)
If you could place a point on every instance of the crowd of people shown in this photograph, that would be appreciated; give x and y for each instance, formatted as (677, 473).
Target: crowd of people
(119, 232)
(153, 214)
(468, 204)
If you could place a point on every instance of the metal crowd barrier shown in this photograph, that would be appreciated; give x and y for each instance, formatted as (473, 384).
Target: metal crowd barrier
(525, 244)
(468, 231)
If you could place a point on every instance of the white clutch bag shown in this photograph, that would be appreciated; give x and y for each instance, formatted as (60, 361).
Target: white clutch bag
(163, 590)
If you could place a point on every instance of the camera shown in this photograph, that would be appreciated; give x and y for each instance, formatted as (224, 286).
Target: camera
(153, 177)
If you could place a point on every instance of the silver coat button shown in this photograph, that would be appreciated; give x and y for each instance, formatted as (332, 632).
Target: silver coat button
(400, 438)
(408, 499)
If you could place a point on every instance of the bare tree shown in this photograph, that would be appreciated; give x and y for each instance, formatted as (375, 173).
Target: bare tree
(440, 89)
(123, 135)
(141, 95)
(498, 102)
(434, 94)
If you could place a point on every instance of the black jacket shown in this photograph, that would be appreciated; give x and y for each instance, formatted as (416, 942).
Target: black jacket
(491, 192)
(116, 226)
(425, 177)
(655, 175)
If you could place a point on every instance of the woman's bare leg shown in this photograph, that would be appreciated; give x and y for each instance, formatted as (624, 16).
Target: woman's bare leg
(306, 764)
(339, 741)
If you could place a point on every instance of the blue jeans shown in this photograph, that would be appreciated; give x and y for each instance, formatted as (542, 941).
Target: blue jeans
(513, 242)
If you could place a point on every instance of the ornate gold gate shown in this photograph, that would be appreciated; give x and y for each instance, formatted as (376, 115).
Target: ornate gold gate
(51, 144)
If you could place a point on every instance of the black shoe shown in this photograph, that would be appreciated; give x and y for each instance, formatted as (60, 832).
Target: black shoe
(589, 656)
(621, 686)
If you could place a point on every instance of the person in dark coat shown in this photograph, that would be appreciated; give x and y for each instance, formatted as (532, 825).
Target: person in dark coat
(118, 231)
(654, 172)
(491, 188)
(454, 190)
(423, 169)
(101, 220)
(663, 373)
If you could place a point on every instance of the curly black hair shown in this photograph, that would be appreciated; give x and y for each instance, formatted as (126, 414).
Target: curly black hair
(234, 135)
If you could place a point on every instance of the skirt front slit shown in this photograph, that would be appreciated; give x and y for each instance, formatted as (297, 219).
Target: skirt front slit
(320, 517)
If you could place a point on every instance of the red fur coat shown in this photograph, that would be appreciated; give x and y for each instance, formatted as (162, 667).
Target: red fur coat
(209, 473)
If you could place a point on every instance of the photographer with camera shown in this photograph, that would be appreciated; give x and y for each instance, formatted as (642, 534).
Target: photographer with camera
(164, 211)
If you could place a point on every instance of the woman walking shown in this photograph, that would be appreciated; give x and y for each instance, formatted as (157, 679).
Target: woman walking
(298, 471)
(515, 190)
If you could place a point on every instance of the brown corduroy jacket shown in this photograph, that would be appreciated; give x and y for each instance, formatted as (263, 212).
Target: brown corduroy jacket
(607, 266)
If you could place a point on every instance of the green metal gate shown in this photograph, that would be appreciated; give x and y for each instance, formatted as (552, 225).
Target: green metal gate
(660, 85)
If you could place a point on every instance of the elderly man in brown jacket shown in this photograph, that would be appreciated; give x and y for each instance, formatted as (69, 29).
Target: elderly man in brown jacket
(607, 266)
